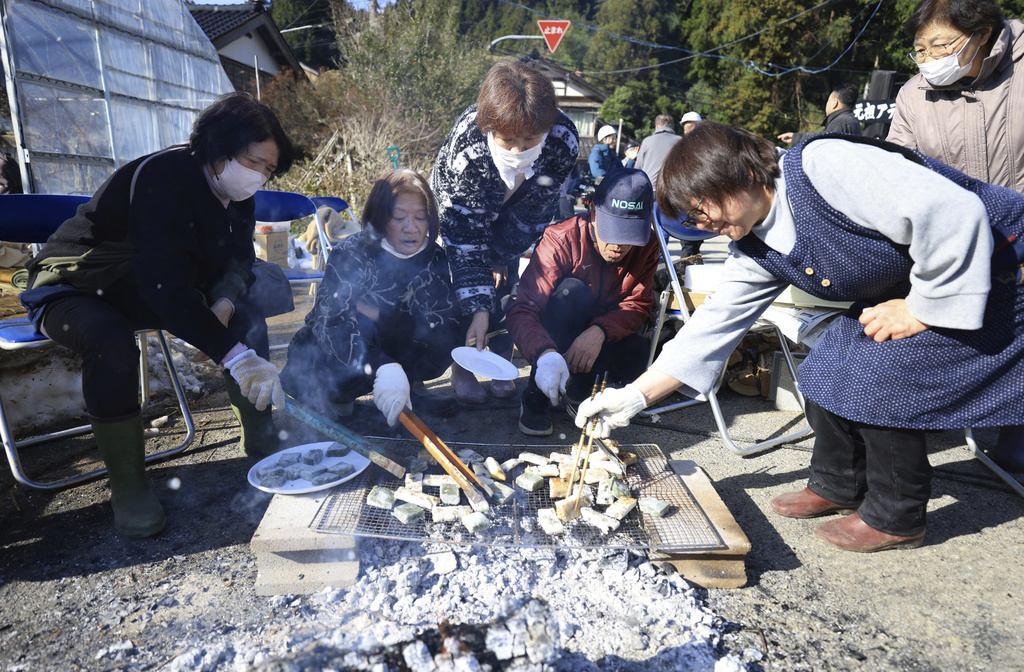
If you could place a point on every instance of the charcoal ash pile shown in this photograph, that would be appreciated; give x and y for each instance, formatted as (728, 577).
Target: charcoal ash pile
(425, 607)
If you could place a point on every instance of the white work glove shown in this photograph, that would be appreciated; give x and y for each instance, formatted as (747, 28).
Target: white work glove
(391, 391)
(257, 378)
(611, 409)
(551, 375)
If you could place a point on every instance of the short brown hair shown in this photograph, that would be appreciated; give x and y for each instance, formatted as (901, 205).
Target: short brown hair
(380, 204)
(712, 162)
(516, 100)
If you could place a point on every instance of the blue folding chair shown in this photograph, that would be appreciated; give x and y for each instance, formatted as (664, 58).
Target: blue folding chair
(337, 204)
(31, 218)
(285, 206)
(664, 228)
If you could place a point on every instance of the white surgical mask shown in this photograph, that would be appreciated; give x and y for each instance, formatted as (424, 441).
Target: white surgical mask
(238, 182)
(510, 164)
(946, 70)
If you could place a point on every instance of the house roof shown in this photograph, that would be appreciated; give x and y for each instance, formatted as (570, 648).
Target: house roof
(224, 24)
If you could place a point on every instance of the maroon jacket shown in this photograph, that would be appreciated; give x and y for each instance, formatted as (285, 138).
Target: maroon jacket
(622, 292)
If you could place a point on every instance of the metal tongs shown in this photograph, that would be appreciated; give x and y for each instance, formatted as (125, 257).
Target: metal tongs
(449, 461)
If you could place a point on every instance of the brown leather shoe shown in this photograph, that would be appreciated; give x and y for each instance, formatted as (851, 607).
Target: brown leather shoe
(806, 504)
(850, 533)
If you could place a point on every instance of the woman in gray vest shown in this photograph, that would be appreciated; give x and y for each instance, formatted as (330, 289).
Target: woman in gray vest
(932, 341)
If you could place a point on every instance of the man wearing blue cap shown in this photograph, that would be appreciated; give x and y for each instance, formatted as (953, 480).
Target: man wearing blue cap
(583, 298)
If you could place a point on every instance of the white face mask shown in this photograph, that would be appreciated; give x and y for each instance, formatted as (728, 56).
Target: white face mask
(946, 70)
(238, 182)
(510, 164)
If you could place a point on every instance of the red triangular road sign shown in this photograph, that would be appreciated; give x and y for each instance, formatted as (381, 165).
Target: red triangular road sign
(553, 32)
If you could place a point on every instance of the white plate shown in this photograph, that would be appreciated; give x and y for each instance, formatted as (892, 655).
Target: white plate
(485, 363)
(301, 486)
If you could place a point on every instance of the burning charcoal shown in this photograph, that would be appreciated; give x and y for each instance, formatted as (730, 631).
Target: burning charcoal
(414, 481)
(604, 492)
(408, 513)
(530, 481)
(545, 470)
(450, 494)
(653, 506)
(594, 476)
(294, 471)
(381, 498)
(417, 465)
(476, 522)
(420, 499)
(502, 493)
(549, 522)
(470, 455)
(342, 470)
(274, 480)
(309, 473)
(494, 469)
(288, 459)
(337, 450)
(619, 488)
(324, 478)
(449, 514)
(599, 520)
(313, 456)
(509, 465)
(437, 480)
(533, 458)
(621, 508)
(558, 488)
(272, 470)
(567, 509)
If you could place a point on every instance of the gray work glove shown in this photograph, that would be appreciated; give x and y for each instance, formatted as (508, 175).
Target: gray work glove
(257, 379)
(610, 409)
(551, 375)
(391, 391)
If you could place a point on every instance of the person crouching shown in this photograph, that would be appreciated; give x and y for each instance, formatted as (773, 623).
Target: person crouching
(583, 298)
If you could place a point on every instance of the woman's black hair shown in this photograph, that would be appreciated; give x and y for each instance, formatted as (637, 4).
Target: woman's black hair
(233, 122)
(967, 16)
(380, 204)
(712, 162)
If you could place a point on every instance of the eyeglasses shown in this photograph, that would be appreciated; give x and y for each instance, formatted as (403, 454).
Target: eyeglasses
(695, 218)
(936, 51)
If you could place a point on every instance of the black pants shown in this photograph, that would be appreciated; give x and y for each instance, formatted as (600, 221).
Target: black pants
(316, 378)
(888, 468)
(101, 329)
(570, 312)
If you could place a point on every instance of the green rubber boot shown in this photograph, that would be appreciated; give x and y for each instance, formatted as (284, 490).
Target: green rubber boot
(137, 511)
(259, 434)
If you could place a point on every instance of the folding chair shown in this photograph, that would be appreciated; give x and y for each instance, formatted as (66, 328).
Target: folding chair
(335, 203)
(285, 206)
(664, 229)
(31, 218)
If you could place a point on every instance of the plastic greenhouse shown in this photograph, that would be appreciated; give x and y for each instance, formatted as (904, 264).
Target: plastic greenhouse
(93, 84)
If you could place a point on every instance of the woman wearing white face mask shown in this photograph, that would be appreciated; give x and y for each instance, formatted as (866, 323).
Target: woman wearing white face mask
(966, 109)
(497, 179)
(166, 242)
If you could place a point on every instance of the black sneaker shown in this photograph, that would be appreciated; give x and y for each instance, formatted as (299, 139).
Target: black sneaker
(535, 415)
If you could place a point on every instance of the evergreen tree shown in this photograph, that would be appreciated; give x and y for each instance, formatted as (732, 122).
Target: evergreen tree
(316, 46)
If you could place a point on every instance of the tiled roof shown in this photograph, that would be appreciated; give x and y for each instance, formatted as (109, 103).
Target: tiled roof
(216, 20)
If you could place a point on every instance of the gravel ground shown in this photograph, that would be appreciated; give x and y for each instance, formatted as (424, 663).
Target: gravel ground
(75, 596)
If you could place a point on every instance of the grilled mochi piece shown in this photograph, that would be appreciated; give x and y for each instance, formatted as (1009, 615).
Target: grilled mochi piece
(324, 478)
(653, 506)
(288, 459)
(337, 450)
(549, 522)
(620, 508)
(476, 522)
(530, 481)
(418, 498)
(313, 456)
(408, 513)
(342, 470)
(602, 522)
(381, 498)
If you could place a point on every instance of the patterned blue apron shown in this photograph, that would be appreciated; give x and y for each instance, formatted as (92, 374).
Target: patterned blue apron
(939, 379)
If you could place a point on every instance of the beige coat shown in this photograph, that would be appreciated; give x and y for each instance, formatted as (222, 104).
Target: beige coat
(977, 128)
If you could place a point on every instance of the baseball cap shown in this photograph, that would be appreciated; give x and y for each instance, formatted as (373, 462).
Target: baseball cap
(605, 132)
(690, 116)
(623, 205)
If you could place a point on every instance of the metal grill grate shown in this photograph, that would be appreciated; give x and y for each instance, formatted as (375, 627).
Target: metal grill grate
(685, 528)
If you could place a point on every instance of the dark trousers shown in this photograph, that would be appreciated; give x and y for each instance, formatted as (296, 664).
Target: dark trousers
(886, 467)
(317, 378)
(101, 329)
(569, 313)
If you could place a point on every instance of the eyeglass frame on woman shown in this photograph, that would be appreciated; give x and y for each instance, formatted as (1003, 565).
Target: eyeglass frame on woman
(695, 217)
(946, 49)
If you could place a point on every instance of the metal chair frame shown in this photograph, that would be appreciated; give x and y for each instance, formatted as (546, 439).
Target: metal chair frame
(31, 218)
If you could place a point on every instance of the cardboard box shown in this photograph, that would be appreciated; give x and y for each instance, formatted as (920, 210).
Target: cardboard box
(272, 247)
